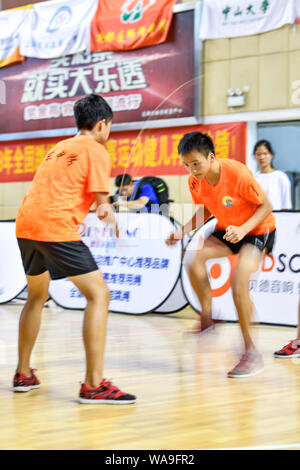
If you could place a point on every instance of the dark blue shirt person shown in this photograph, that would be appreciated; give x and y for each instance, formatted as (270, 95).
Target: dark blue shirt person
(136, 199)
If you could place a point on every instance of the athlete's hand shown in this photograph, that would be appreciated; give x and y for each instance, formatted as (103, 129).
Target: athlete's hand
(234, 234)
(121, 202)
(174, 237)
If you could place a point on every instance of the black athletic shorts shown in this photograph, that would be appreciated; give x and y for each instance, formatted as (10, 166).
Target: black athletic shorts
(260, 241)
(61, 259)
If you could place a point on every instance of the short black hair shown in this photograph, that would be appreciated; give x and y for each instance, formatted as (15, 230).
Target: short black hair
(91, 109)
(264, 142)
(196, 141)
(123, 180)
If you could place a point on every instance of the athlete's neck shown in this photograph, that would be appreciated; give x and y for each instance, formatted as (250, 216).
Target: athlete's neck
(86, 132)
(214, 174)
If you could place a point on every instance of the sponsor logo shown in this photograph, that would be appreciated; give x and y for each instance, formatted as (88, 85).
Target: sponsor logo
(221, 274)
(283, 263)
(60, 19)
(100, 232)
(133, 10)
(227, 201)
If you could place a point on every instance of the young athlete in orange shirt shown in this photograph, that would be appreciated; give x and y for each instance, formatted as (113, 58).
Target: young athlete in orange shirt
(72, 176)
(245, 225)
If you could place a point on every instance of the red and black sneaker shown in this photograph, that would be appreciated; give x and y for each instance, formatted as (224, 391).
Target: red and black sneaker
(106, 393)
(23, 383)
(290, 350)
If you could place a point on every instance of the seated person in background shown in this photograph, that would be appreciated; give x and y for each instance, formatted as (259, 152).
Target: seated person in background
(275, 183)
(143, 198)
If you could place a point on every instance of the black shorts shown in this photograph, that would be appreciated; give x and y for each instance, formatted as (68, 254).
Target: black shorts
(61, 259)
(260, 241)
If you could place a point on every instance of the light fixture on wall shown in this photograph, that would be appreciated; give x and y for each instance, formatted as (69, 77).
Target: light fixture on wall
(237, 96)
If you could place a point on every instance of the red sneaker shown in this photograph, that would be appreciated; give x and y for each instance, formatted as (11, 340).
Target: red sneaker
(290, 350)
(106, 393)
(22, 383)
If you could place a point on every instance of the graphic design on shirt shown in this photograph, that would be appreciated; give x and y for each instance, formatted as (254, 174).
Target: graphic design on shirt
(227, 201)
(70, 158)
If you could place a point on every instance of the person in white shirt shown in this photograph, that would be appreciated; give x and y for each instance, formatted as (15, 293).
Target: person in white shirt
(275, 183)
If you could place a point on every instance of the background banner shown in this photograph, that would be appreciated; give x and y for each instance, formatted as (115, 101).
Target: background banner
(40, 93)
(147, 153)
(297, 11)
(141, 258)
(154, 152)
(274, 289)
(57, 28)
(135, 266)
(130, 24)
(12, 275)
(11, 25)
(233, 18)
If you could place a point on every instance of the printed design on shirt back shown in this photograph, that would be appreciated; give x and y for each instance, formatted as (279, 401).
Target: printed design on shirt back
(71, 158)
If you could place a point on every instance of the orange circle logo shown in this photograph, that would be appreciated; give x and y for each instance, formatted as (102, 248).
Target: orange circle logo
(216, 273)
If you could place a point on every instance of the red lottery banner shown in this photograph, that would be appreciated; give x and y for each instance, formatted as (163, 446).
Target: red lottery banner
(130, 24)
(150, 152)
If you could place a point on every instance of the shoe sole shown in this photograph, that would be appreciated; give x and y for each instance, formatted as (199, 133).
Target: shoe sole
(232, 376)
(24, 389)
(289, 356)
(104, 402)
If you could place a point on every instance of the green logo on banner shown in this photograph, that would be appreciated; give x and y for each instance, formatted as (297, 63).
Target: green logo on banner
(132, 10)
(248, 10)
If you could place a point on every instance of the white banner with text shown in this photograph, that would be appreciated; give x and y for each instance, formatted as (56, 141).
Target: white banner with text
(233, 18)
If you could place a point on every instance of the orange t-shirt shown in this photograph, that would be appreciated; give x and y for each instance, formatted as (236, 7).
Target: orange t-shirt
(234, 199)
(63, 190)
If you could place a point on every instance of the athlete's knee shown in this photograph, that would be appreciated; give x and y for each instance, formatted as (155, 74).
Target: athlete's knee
(99, 292)
(197, 269)
(37, 296)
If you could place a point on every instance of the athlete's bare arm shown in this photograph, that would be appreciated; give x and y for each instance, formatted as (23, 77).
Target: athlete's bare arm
(200, 216)
(235, 234)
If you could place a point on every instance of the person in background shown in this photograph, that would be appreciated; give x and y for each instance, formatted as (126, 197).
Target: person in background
(275, 183)
(134, 199)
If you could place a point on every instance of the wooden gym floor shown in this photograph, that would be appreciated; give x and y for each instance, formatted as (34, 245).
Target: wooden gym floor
(185, 400)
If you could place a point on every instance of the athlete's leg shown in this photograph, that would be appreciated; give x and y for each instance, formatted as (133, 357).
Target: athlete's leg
(212, 248)
(93, 287)
(30, 319)
(249, 260)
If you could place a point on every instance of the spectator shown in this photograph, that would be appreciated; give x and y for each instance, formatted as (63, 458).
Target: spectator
(137, 198)
(275, 183)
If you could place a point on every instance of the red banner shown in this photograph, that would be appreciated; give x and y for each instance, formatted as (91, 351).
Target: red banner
(148, 152)
(130, 24)
(154, 151)
(19, 160)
